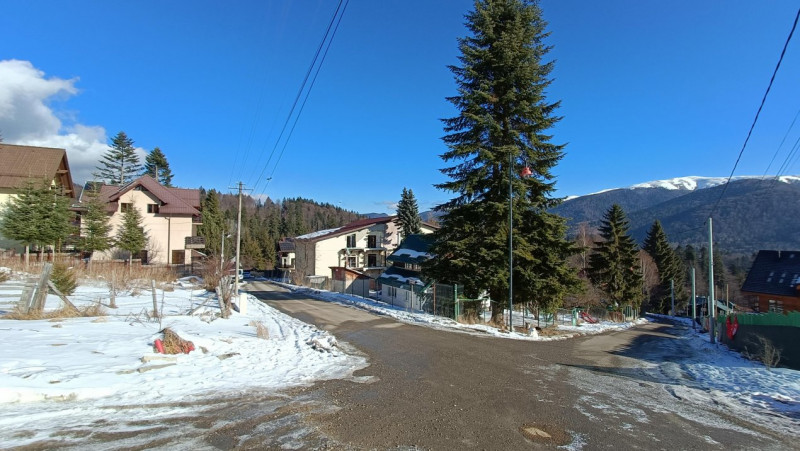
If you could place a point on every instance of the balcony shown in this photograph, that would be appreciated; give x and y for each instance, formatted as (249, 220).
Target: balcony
(195, 242)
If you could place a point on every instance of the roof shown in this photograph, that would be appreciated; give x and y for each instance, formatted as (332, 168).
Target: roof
(353, 226)
(414, 249)
(401, 278)
(23, 163)
(286, 245)
(173, 200)
(774, 272)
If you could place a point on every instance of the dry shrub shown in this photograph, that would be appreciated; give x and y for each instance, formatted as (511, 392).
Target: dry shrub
(64, 312)
(4, 276)
(762, 349)
(261, 330)
(211, 274)
(173, 344)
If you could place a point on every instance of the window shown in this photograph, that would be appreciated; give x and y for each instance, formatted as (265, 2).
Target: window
(372, 260)
(372, 241)
(351, 240)
(124, 207)
(775, 306)
(152, 208)
(352, 262)
(391, 291)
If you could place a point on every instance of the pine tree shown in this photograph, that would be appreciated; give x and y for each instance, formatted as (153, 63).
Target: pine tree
(156, 166)
(670, 268)
(96, 228)
(213, 226)
(37, 216)
(408, 214)
(120, 164)
(131, 236)
(614, 266)
(502, 126)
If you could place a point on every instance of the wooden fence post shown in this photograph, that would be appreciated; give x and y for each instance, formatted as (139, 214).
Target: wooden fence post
(155, 298)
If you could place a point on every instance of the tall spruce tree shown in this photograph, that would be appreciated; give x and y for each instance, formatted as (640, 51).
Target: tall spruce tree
(120, 164)
(213, 226)
(670, 269)
(408, 214)
(157, 166)
(502, 126)
(131, 236)
(614, 266)
(96, 228)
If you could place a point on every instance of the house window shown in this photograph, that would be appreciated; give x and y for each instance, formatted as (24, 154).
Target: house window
(372, 241)
(372, 260)
(152, 208)
(352, 262)
(391, 291)
(775, 306)
(351, 240)
(125, 207)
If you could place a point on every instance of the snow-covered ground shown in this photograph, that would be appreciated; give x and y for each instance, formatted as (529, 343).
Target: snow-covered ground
(105, 361)
(714, 374)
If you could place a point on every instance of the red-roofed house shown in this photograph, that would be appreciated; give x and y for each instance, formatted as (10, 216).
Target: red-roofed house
(361, 245)
(170, 217)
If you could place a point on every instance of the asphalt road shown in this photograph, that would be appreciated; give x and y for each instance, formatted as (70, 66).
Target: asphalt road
(435, 389)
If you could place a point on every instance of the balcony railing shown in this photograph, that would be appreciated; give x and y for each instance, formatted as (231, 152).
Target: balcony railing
(195, 242)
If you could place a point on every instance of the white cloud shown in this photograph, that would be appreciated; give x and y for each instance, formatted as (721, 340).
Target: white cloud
(26, 117)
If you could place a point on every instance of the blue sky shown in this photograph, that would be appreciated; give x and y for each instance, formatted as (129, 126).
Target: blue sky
(649, 90)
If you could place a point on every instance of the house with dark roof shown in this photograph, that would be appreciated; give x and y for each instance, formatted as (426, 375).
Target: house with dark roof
(286, 254)
(361, 245)
(773, 283)
(401, 283)
(170, 217)
(22, 164)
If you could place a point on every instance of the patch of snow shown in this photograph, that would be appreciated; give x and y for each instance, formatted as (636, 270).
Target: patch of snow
(412, 253)
(317, 234)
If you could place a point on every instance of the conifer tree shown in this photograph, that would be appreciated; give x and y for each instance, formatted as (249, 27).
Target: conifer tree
(408, 214)
(157, 166)
(614, 266)
(131, 236)
(120, 164)
(213, 226)
(503, 125)
(96, 228)
(670, 268)
(37, 215)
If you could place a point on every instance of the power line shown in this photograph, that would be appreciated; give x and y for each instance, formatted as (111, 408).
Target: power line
(300, 91)
(763, 100)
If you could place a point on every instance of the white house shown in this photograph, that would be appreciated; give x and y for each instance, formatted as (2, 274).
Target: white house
(361, 245)
(401, 283)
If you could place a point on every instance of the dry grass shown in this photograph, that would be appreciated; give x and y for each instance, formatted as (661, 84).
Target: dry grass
(173, 344)
(64, 312)
(762, 349)
(211, 274)
(261, 330)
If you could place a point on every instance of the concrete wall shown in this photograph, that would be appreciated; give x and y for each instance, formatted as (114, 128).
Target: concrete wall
(784, 338)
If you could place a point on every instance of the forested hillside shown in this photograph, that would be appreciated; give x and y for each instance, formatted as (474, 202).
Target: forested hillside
(264, 223)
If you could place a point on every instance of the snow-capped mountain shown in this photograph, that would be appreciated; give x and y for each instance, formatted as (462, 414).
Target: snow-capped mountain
(755, 212)
(692, 182)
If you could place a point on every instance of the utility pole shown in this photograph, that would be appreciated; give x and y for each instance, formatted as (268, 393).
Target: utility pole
(694, 303)
(238, 241)
(711, 307)
(510, 246)
(672, 294)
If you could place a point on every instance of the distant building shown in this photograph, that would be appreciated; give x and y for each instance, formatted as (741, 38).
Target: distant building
(170, 217)
(361, 246)
(401, 283)
(22, 164)
(773, 282)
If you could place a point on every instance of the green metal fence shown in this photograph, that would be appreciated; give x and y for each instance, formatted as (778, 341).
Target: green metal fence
(765, 319)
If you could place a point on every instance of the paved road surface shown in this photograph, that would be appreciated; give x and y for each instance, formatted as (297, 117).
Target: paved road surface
(431, 389)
